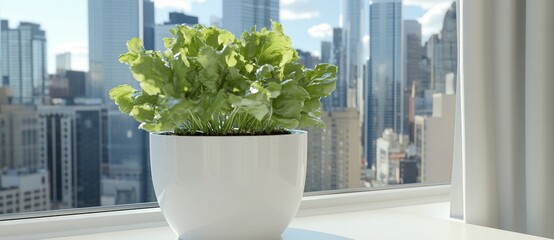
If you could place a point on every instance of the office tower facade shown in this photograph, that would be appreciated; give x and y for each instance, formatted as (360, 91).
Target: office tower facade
(334, 153)
(161, 31)
(22, 190)
(63, 62)
(449, 42)
(326, 52)
(353, 31)
(67, 85)
(72, 144)
(307, 59)
(148, 21)
(384, 95)
(442, 51)
(181, 18)
(413, 73)
(241, 15)
(23, 62)
(338, 98)
(434, 139)
(111, 25)
(19, 147)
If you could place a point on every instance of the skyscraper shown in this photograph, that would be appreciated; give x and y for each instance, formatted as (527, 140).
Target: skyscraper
(307, 59)
(23, 62)
(442, 50)
(326, 52)
(353, 29)
(338, 98)
(413, 54)
(111, 25)
(449, 39)
(71, 146)
(63, 62)
(241, 15)
(148, 21)
(385, 95)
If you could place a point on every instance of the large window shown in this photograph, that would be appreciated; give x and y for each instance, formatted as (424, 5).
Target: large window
(64, 144)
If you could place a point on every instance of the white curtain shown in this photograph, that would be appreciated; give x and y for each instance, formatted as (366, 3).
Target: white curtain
(504, 153)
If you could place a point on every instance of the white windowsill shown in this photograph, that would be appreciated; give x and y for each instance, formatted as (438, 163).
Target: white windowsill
(420, 213)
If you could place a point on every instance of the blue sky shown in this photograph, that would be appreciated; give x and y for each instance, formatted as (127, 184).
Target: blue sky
(308, 22)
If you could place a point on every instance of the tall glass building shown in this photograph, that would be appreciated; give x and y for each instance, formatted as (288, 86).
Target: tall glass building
(241, 15)
(353, 30)
(23, 62)
(384, 95)
(111, 25)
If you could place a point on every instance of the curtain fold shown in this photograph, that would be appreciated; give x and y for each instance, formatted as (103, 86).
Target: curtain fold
(504, 165)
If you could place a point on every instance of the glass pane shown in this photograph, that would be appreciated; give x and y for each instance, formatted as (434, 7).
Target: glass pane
(64, 144)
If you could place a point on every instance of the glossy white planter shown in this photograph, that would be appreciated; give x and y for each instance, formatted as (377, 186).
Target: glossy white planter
(235, 187)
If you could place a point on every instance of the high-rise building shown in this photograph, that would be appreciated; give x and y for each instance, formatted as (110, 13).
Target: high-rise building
(384, 96)
(22, 190)
(241, 15)
(326, 52)
(434, 139)
(161, 31)
(63, 62)
(413, 55)
(307, 59)
(148, 23)
(67, 85)
(442, 51)
(23, 62)
(353, 32)
(334, 155)
(181, 18)
(19, 147)
(449, 40)
(338, 98)
(72, 145)
(111, 25)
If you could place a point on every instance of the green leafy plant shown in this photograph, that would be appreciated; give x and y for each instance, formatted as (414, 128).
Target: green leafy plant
(207, 82)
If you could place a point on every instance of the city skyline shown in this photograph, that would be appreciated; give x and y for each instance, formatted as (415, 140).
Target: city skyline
(304, 21)
(407, 88)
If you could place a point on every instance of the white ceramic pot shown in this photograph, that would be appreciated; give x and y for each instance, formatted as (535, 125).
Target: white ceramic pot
(229, 187)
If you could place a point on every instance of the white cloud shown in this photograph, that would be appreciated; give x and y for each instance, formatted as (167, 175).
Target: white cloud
(425, 4)
(287, 14)
(185, 5)
(321, 30)
(316, 53)
(431, 21)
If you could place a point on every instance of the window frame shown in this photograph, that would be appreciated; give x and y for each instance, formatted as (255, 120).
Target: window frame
(126, 217)
(70, 222)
